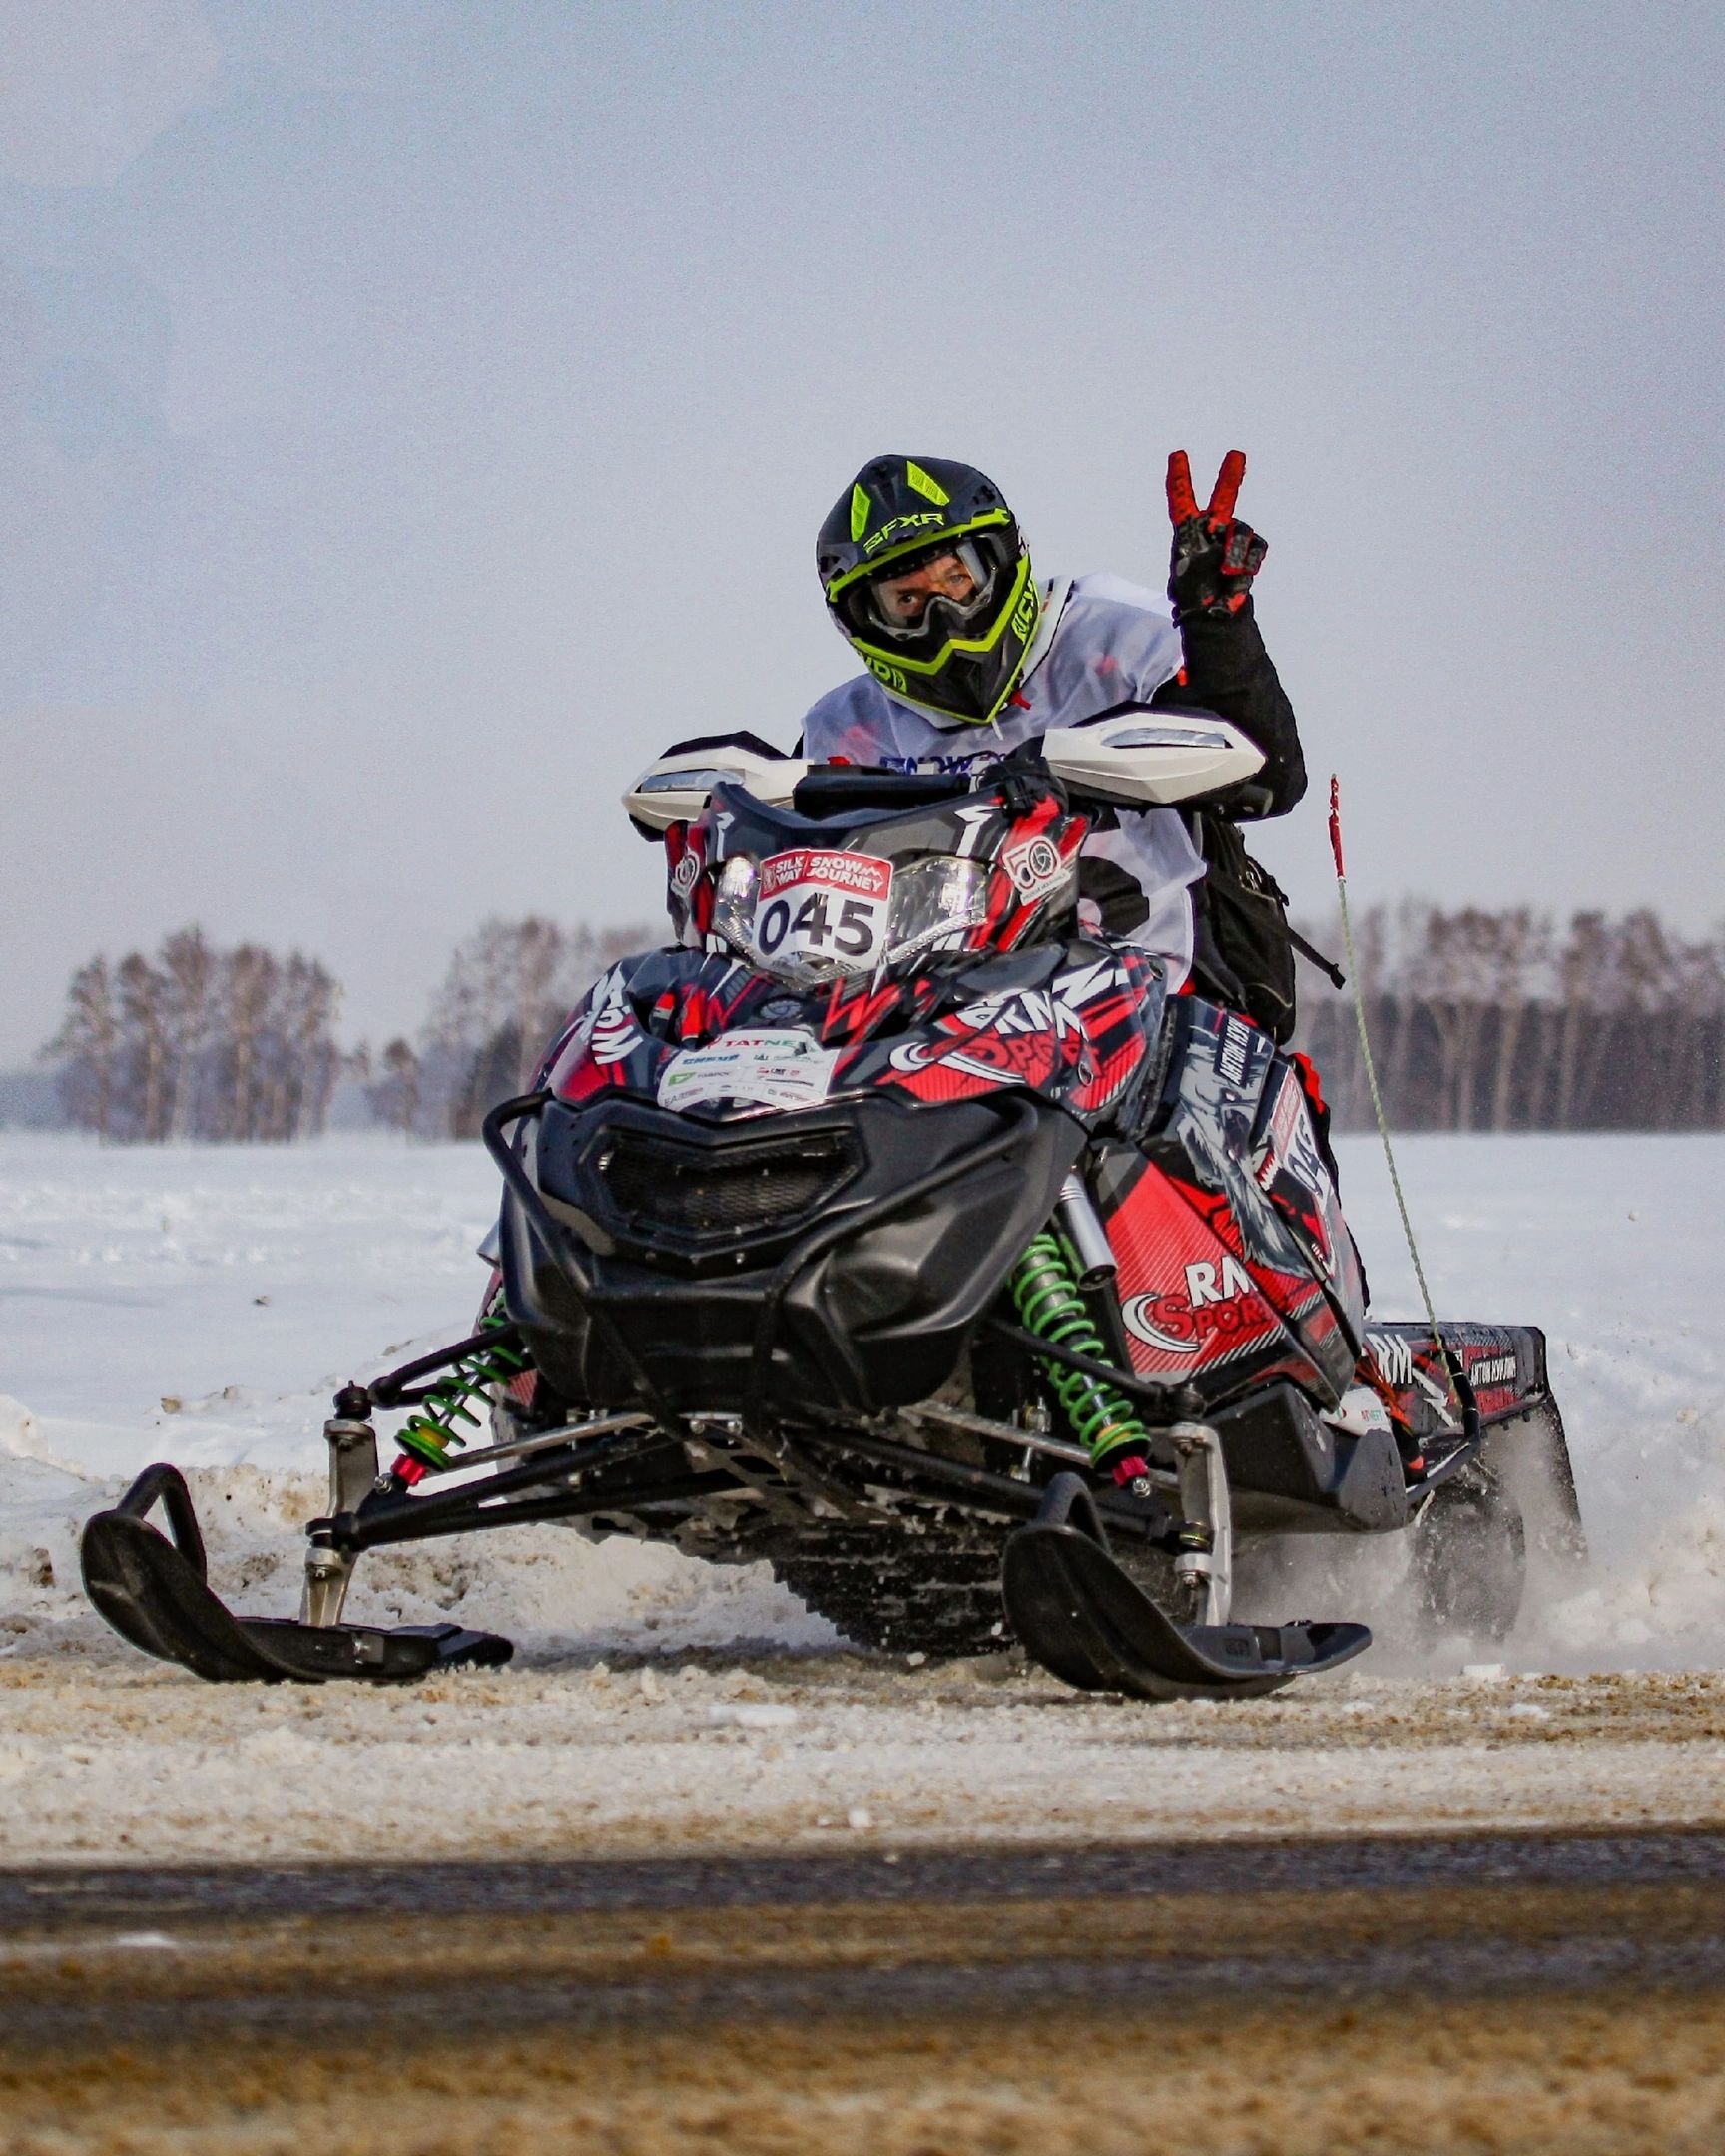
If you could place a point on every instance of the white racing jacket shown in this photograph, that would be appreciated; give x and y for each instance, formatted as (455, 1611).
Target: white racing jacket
(1103, 643)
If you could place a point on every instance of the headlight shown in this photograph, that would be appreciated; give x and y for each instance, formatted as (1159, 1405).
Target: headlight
(931, 899)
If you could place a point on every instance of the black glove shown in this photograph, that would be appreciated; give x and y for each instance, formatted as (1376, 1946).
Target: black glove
(1215, 555)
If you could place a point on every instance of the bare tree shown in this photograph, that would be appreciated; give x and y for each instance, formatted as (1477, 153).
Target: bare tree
(189, 986)
(249, 977)
(503, 999)
(86, 1048)
(1516, 960)
(393, 1097)
(142, 1019)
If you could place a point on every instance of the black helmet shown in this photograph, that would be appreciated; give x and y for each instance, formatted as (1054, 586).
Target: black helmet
(958, 656)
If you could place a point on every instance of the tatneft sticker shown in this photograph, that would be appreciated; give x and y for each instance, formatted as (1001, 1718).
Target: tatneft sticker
(779, 1070)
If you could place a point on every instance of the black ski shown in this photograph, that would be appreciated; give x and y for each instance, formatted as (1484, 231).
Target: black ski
(1086, 1622)
(155, 1592)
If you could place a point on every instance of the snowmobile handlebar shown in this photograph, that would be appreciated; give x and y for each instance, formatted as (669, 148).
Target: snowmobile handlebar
(1136, 757)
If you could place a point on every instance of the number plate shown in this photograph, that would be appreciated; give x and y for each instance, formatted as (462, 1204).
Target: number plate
(832, 906)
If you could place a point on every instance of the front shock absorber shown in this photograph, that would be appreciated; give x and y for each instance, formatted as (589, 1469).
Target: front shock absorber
(460, 1397)
(1044, 1287)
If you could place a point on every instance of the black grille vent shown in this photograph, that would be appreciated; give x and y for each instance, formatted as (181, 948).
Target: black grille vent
(704, 1192)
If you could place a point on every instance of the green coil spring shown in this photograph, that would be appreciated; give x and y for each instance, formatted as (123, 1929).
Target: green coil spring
(455, 1399)
(1045, 1290)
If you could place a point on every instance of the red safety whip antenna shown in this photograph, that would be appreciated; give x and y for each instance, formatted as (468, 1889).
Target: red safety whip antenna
(1443, 1362)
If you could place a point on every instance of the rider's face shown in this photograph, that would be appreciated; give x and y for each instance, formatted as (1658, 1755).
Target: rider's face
(904, 600)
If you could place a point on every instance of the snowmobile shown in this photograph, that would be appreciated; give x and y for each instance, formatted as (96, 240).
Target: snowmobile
(860, 1230)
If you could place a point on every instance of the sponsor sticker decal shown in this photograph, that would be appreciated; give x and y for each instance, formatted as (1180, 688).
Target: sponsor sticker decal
(1221, 1302)
(1236, 1042)
(777, 1070)
(1035, 866)
(1394, 1358)
(613, 1035)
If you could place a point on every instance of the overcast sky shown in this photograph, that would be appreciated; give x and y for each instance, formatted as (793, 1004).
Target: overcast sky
(412, 415)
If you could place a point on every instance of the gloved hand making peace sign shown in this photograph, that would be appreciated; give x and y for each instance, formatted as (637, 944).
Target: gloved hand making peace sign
(1215, 555)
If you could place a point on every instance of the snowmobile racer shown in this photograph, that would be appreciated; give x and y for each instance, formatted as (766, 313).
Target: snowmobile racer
(970, 660)
(886, 1228)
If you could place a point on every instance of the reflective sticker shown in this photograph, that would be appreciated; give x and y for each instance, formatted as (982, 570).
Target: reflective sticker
(930, 489)
(779, 1070)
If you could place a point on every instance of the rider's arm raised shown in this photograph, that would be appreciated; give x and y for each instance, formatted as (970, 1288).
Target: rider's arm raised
(1227, 670)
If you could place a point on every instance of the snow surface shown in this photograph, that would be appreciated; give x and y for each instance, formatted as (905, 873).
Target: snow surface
(201, 1305)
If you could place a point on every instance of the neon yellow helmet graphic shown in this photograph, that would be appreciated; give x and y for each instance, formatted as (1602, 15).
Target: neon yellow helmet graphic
(927, 577)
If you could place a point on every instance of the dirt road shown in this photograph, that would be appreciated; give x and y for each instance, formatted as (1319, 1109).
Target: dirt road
(1525, 1991)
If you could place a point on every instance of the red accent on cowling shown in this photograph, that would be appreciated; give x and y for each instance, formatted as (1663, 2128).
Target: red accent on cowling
(1308, 1079)
(851, 1015)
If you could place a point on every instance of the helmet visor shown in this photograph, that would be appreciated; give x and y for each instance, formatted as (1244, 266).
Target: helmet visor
(941, 596)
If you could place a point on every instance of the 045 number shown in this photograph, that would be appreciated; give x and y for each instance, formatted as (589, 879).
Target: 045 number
(850, 930)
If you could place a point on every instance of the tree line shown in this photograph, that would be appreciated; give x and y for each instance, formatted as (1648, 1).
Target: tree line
(1479, 1021)
(198, 1042)
(1516, 1021)
(239, 1045)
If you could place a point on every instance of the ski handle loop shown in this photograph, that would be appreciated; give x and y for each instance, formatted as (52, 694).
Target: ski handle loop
(1465, 1407)
(168, 1485)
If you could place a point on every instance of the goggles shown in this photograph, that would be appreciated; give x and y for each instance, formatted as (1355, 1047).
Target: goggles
(944, 594)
